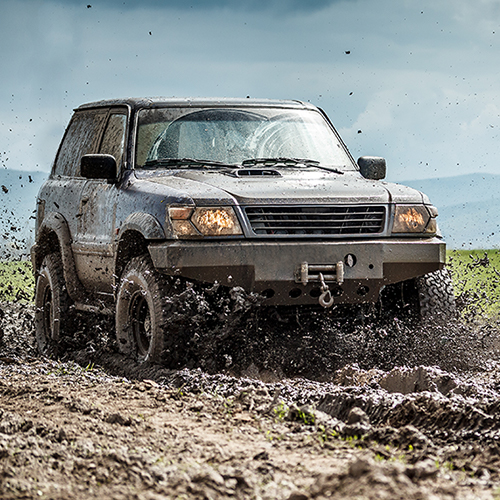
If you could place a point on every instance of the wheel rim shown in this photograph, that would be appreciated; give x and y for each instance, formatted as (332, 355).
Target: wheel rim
(140, 319)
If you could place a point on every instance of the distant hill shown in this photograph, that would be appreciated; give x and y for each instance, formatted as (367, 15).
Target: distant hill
(469, 208)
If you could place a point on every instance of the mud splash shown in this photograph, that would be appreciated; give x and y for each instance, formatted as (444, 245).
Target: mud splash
(428, 394)
(443, 391)
(234, 333)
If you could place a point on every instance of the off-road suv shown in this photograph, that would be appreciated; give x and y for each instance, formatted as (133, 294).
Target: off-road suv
(145, 194)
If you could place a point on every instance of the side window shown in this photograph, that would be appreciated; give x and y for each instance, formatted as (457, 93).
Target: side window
(81, 138)
(113, 141)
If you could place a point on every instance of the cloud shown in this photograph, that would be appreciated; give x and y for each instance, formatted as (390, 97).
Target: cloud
(481, 16)
(417, 80)
(284, 6)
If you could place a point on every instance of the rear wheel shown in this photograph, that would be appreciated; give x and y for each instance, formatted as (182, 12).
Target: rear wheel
(428, 298)
(436, 300)
(53, 316)
(142, 312)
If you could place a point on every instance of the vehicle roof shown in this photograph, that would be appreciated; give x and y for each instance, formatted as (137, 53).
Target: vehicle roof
(153, 102)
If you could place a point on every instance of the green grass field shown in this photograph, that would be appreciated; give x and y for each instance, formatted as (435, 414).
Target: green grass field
(16, 281)
(476, 276)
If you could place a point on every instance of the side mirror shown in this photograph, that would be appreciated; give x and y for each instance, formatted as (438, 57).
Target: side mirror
(98, 167)
(372, 167)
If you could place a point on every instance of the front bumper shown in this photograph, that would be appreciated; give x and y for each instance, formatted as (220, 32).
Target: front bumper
(273, 268)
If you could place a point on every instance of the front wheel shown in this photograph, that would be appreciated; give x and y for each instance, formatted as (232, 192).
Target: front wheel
(142, 312)
(53, 315)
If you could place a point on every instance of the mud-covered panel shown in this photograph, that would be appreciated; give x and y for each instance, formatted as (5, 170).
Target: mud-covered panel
(62, 196)
(307, 186)
(136, 196)
(94, 242)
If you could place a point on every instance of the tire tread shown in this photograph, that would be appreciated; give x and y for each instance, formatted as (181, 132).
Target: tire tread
(436, 297)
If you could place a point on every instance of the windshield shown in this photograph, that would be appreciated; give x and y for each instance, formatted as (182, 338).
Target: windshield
(231, 136)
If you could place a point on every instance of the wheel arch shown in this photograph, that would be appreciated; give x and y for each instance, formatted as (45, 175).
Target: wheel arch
(132, 244)
(143, 223)
(54, 236)
(135, 233)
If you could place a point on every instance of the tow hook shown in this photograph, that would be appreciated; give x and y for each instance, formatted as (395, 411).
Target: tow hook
(325, 299)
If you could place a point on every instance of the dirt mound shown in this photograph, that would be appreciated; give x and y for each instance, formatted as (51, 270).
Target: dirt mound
(72, 432)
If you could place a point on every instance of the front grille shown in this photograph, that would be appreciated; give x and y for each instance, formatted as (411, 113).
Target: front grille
(316, 220)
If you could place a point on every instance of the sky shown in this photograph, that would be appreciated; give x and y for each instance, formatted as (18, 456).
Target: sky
(414, 81)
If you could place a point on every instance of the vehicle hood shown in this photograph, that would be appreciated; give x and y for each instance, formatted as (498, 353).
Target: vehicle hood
(305, 186)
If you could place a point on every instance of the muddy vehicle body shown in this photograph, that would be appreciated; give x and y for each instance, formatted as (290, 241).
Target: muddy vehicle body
(258, 194)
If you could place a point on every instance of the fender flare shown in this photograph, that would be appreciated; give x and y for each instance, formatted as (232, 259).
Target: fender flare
(143, 223)
(55, 223)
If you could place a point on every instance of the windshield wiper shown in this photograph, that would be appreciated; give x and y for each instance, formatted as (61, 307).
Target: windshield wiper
(187, 162)
(252, 162)
(288, 162)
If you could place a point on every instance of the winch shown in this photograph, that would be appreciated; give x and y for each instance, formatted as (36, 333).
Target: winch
(321, 273)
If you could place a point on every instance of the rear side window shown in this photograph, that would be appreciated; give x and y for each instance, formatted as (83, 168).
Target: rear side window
(113, 141)
(81, 138)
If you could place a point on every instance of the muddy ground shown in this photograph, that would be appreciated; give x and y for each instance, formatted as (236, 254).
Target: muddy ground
(321, 411)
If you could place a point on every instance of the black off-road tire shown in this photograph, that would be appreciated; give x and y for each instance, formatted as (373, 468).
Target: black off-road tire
(54, 316)
(143, 312)
(427, 299)
(436, 300)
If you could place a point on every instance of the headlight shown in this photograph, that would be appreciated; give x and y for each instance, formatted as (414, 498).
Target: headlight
(189, 222)
(415, 219)
(216, 221)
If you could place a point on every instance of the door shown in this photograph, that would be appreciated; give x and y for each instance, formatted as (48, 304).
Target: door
(97, 213)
